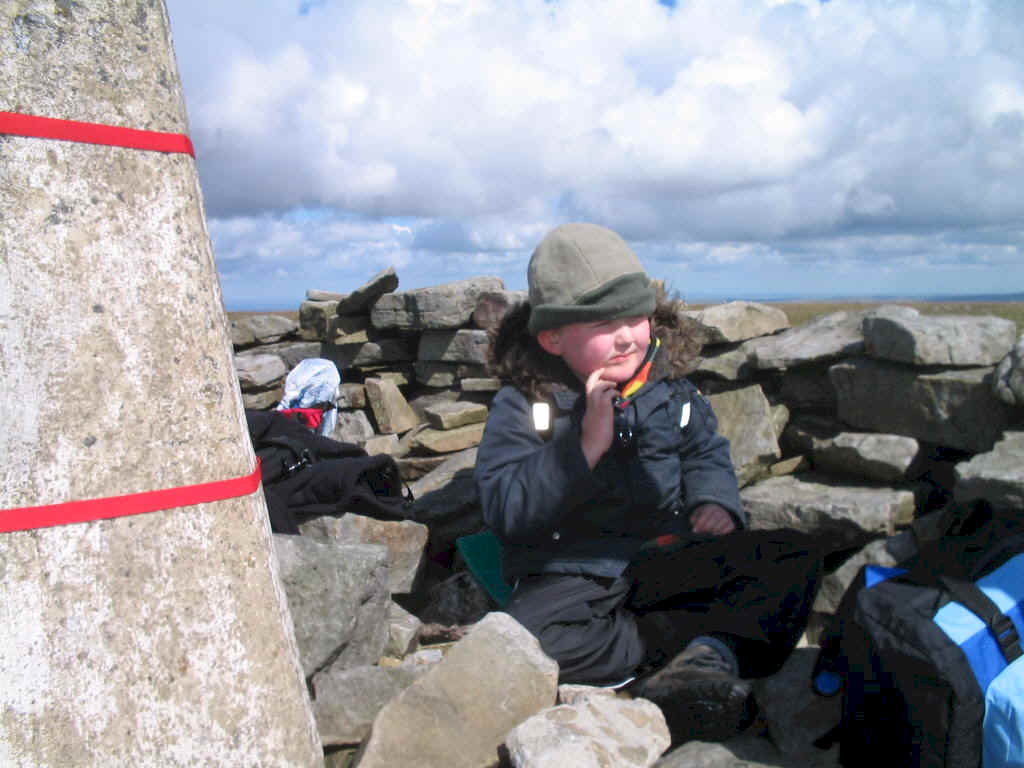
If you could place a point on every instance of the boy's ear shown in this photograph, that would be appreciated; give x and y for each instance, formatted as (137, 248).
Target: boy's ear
(550, 341)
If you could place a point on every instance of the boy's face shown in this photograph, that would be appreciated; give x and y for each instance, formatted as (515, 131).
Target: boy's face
(617, 346)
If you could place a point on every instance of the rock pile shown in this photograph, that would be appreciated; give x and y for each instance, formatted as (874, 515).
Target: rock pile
(857, 422)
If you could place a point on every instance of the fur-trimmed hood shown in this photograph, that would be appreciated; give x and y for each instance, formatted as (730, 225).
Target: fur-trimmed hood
(518, 359)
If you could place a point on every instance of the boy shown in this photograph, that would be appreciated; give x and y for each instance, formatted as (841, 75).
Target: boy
(602, 473)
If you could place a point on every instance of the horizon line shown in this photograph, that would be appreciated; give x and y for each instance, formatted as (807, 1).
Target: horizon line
(700, 298)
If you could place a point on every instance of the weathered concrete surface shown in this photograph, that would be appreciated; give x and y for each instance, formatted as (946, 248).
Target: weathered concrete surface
(157, 639)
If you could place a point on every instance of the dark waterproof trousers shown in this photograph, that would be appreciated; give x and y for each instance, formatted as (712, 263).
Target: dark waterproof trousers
(751, 589)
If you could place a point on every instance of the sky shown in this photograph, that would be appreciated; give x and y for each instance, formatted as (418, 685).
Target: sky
(746, 149)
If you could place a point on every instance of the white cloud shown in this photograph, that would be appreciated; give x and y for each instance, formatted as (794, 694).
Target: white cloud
(477, 125)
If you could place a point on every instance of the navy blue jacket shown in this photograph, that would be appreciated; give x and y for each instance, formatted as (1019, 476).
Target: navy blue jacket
(553, 514)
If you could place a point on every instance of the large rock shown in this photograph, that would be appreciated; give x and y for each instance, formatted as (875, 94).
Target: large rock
(884, 552)
(458, 600)
(825, 338)
(399, 374)
(446, 489)
(809, 504)
(339, 599)
(483, 385)
(388, 444)
(363, 297)
(867, 455)
(448, 440)
(466, 345)
(745, 418)
(317, 294)
(729, 362)
(1008, 383)
(808, 388)
(370, 353)
(416, 467)
(346, 701)
(448, 415)
(256, 370)
(351, 395)
(996, 476)
(961, 340)
(739, 320)
(314, 317)
(267, 329)
(352, 427)
(491, 307)
(291, 352)
(404, 540)
(884, 458)
(434, 374)
(459, 712)
(426, 400)
(390, 408)
(444, 306)
(403, 631)
(952, 408)
(241, 335)
(349, 329)
(597, 732)
(260, 400)
(750, 750)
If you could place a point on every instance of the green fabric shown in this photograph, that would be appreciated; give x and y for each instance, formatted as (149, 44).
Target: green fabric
(583, 272)
(482, 553)
(626, 296)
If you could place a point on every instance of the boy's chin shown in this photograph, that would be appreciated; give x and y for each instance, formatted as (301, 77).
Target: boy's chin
(620, 374)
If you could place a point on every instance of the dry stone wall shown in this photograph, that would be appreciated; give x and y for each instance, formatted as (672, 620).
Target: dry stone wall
(857, 421)
(857, 424)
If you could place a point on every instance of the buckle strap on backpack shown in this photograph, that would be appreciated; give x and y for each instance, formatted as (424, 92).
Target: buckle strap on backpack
(301, 456)
(304, 459)
(969, 594)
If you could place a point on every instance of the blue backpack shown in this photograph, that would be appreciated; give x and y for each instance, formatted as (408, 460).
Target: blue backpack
(927, 656)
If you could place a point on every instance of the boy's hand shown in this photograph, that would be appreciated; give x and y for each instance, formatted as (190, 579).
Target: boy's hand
(598, 422)
(713, 519)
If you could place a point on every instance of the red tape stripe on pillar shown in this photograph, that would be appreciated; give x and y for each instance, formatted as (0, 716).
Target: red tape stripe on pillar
(25, 518)
(93, 133)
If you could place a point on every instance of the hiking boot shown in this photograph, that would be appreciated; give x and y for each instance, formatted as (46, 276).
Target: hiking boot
(700, 696)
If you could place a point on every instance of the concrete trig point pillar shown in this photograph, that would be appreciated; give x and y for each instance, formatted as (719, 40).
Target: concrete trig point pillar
(155, 639)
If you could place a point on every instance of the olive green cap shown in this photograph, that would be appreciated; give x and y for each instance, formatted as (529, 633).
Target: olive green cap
(583, 273)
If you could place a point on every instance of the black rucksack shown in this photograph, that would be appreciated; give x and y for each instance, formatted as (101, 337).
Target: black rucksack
(927, 655)
(306, 475)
